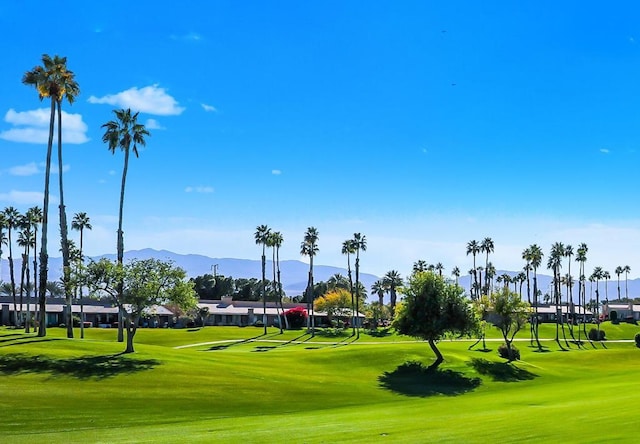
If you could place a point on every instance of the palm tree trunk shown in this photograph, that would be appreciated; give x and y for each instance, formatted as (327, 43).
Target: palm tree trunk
(286, 321)
(64, 240)
(13, 280)
(357, 296)
(22, 275)
(120, 256)
(353, 316)
(311, 296)
(264, 293)
(80, 290)
(44, 256)
(35, 277)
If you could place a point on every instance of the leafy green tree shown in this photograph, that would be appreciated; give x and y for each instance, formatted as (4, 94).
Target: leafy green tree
(126, 134)
(431, 309)
(138, 286)
(510, 315)
(336, 303)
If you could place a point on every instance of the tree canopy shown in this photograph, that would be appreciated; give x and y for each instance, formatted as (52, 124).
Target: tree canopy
(145, 284)
(431, 309)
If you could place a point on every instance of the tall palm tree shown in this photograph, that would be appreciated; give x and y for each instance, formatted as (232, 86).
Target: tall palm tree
(581, 258)
(126, 134)
(596, 275)
(606, 276)
(378, 288)
(26, 240)
(554, 263)
(456, 274)
(360, 242)
(473, 248)
(618, 272)
(277, 239)
(487, 247)
(34, 218)
(349, 248)
(12, 218)
(54, 81)
(80, 223)
(4, 241)
(309, 247)
(420, 265)
(627, 270)
(439, 268)
(535, 259)
(261, 237)
(521, 279)
(392, 280)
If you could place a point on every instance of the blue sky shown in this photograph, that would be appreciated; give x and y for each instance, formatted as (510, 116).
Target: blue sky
(422, 125)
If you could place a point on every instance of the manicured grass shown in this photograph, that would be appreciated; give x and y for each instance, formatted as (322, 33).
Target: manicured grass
(292, 388)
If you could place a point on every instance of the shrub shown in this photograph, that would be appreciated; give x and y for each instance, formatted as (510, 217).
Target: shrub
(637, 338)
(503, 351)
(596, 335)
(333, 332)
(296, 317)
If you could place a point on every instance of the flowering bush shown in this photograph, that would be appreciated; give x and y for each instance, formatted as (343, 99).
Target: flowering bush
(296, 317)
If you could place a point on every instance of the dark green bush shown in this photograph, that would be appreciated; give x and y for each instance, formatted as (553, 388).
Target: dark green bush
(596, 335)
(637, 338)
(514, 355)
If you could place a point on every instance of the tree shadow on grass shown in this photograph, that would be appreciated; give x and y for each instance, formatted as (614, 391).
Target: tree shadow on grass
(84, 367)
(501, 371)
(415, 379)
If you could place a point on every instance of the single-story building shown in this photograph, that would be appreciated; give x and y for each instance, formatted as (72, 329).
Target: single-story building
(622, 312)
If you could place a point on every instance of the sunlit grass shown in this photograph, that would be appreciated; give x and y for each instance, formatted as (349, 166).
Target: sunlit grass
(294, 388)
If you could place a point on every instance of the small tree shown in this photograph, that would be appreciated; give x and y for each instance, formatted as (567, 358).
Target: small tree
(145, 284)
(336, 303)
(431, 309)
(511, 314)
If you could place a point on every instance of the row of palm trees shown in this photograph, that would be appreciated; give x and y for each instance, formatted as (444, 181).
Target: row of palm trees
(53, 80)
(26, 226)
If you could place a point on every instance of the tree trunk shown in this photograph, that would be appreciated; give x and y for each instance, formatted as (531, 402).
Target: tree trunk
(64, 235)
(13, 280)
(132, 326)
(25, 265)
(439, 358)
(121, 240)
(264, 293)
(44, 256)
(357, 296)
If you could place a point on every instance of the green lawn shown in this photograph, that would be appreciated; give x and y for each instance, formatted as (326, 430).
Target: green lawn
(293, 388)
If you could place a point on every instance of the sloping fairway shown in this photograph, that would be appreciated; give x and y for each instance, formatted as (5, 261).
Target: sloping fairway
(291, 388)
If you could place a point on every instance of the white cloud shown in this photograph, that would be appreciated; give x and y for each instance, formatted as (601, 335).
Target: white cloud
(32, 168)
(604, 151)
(208, 108)
(23, 197)
(153, 124)
(24, 170)
(276, 172)
(33, 127)
(199, 189)
(150, 99)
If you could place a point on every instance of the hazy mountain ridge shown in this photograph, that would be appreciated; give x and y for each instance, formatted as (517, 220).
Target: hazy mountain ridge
(295, 273)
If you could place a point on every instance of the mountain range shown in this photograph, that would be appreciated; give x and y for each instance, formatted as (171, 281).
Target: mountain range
(295, 273)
